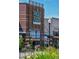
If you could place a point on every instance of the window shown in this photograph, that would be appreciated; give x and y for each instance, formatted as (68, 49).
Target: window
(55, 33)
(35, 34)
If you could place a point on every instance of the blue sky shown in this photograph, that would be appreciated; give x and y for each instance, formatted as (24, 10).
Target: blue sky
(51, 7)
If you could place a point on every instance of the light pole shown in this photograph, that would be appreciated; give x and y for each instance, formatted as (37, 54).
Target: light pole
(49, 21)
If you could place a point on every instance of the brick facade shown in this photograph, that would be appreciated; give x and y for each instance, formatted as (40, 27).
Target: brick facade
(26, 17)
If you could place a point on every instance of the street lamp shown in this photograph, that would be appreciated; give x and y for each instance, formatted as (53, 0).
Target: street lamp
(49, 21)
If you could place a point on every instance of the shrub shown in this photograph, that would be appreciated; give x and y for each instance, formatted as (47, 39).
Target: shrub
(21, 43)
(48, 53)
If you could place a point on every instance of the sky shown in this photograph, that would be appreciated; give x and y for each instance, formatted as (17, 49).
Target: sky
(51, 7)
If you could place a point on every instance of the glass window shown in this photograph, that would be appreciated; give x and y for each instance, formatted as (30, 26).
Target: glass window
(35, 34)
(55, 33)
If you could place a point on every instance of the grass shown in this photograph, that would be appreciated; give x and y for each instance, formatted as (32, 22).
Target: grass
(48, 53)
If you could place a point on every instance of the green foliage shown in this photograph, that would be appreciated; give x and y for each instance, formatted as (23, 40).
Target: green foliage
(21, 43)
(31, 43)
(48, 53)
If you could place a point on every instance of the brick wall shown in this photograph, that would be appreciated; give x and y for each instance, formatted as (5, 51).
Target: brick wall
(26, 17)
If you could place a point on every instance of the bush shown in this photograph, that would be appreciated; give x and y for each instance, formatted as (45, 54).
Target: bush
(48, 53)
(21, 43)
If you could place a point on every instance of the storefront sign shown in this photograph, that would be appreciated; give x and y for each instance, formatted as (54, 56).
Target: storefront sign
(36, 17)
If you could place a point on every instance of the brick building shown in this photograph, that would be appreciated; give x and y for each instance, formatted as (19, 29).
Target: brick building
(31, 21)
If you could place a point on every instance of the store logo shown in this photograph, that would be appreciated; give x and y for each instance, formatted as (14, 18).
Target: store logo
(36, 17)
